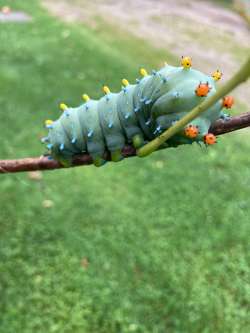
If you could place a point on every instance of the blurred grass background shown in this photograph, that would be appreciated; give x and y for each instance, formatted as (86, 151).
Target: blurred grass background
(147, 245)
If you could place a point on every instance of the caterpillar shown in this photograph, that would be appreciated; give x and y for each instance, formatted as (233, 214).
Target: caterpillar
(137, 114)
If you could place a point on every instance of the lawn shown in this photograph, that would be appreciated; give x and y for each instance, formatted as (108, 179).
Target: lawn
(149, 245)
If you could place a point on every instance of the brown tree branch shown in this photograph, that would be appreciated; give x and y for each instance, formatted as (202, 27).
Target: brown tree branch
(44, 163)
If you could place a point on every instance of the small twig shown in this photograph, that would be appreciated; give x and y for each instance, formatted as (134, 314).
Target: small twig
(44, 163)
(232, 124)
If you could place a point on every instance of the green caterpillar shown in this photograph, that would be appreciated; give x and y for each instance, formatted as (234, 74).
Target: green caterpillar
(137, 114)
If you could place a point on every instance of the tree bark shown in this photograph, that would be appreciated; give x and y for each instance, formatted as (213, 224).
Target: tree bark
(45, 163)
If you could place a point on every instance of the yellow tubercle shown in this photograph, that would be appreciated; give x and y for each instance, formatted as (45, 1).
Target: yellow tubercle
(165, 63)
(143, 72)
(106, 90)
(63, 106)
(85, 97)
(125, 82)
(48, 122)
(186, 62)
(217, 75)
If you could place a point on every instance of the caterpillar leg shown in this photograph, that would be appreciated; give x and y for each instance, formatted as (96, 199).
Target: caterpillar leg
(116, 155)
(138, 141)
(225, 116)
(97, 156)
(99, 161)
(65, 162)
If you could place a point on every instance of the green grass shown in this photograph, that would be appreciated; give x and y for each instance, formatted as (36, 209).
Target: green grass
(225, 3)
(166, 237)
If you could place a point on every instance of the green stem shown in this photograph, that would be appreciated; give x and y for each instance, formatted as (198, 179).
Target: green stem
(241, 76)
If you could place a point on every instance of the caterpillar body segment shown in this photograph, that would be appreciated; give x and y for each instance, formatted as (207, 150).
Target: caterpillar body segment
(136, 114)
(127, 113)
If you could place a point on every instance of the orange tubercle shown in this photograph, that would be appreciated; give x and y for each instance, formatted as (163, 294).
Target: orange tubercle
(228, 102)
(202, 90)
(209, 139)
(191, 131)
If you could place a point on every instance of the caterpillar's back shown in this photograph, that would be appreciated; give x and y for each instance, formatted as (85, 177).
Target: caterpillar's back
(136, 114)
